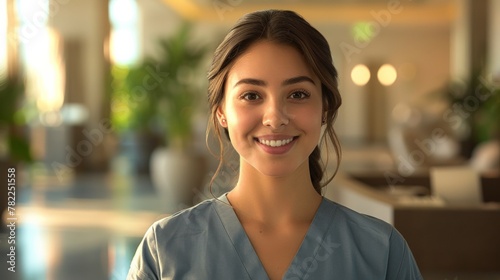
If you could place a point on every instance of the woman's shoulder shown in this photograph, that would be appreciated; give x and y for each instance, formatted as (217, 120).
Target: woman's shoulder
(361, 223)
(188, 221)
(376, 241)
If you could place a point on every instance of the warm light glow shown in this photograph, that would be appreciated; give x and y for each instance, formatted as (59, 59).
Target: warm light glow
(360, 74)
(45, 72)
(387, 74)
(53, 78)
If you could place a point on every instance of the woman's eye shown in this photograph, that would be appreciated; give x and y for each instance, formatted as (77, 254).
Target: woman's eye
(299, 95)
(250, 96)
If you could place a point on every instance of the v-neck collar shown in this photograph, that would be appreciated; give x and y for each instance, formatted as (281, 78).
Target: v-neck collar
(300, 265)
(240, 240)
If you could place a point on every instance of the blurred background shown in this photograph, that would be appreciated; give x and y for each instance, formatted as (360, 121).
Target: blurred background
(103, 118)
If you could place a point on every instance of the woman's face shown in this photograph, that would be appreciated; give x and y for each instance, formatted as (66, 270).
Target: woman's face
(272, 109)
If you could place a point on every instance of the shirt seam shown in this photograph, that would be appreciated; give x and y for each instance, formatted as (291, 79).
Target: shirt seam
(404, 253)
(157, 257)
(141, 274)
(323, 237)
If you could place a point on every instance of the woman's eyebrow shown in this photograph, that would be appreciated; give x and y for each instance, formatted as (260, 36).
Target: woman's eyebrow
(296, 80)
(287, 82)
(250, 81)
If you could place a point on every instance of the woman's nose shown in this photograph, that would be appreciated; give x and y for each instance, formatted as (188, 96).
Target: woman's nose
(275, 115)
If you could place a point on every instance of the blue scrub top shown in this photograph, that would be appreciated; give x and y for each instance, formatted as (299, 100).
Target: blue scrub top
(208, 241)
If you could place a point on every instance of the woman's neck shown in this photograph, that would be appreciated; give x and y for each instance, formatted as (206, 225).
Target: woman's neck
(275, 200)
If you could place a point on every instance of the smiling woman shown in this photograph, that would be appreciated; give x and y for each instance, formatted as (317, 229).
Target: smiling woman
(272, 89)
(271, 98)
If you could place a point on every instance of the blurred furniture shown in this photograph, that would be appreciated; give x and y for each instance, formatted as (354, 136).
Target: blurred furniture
(441, 237)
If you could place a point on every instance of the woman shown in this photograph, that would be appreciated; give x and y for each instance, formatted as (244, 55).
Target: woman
(272, 89)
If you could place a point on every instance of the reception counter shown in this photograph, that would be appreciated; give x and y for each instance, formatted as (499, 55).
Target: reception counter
(441, 237)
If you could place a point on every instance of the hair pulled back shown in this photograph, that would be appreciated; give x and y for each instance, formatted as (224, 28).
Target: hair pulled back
(288, 28)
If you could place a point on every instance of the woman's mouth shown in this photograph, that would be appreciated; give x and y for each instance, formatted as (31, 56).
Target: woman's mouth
(275, 143)
(276, 146)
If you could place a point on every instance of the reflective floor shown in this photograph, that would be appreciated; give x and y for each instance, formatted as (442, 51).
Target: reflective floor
(84, 228)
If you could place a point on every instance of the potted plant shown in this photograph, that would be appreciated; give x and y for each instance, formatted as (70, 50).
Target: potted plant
(14, 148)
(11, 120)
(164, 95)
(476, 101)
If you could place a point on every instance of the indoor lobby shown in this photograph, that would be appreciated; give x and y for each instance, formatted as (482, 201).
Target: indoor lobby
(104, 114)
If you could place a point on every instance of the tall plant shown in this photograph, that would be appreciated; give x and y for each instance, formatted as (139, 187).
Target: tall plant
(12, 120)
(163, 89)
(477, 102)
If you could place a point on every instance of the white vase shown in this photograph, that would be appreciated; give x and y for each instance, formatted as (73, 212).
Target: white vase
(177, 176)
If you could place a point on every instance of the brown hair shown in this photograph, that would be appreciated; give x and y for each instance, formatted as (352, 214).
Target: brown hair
(283, 27)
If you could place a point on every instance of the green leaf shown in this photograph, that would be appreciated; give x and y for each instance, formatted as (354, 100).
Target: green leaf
(19, 149)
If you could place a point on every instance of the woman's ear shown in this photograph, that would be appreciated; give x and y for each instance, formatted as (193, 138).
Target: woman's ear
(221, 117)
(324, 118)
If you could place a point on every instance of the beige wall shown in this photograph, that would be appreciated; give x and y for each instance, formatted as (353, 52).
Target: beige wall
(494, 43)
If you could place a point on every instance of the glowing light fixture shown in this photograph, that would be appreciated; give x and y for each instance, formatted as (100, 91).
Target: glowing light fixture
(387, 74)
(360, 74)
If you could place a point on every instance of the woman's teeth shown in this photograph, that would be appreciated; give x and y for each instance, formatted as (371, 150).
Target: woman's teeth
(275, 143)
